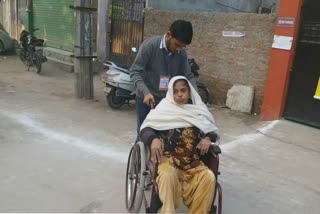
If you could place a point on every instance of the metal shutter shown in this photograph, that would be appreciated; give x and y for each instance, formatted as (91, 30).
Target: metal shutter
(55, 21)
(310, 32)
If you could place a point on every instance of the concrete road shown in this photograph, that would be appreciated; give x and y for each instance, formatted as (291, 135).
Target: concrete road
(60, 154)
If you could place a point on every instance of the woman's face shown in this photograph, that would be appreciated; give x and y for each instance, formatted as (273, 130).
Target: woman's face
(181, 92)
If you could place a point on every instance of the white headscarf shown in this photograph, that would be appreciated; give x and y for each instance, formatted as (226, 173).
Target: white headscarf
(169, 115)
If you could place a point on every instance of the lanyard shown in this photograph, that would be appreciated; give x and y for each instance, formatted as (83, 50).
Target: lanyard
(166, 62)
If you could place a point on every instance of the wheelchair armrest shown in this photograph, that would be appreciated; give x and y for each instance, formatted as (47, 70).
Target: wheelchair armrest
(215, 149)
(211, 158)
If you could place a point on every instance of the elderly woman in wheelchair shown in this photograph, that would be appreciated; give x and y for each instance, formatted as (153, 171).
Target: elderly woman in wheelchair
(178, 132)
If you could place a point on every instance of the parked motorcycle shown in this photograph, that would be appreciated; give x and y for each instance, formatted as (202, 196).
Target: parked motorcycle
(31, 53)
(202, 89)
(120, 89)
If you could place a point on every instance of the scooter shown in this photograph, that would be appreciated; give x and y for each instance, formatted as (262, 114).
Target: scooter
(120, 89)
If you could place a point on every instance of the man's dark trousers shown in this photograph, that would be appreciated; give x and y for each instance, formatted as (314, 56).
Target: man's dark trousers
(142, 110)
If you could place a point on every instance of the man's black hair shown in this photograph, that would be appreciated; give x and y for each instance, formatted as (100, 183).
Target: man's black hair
(182, 31)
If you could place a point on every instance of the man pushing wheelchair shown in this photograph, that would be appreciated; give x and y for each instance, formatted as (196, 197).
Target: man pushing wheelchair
(178, 132)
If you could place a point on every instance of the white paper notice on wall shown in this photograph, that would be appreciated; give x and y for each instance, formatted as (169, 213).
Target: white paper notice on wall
(233, 34)
(282, 42)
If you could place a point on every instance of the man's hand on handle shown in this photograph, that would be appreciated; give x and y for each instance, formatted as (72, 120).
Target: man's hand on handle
(157, 148)
(148, 99)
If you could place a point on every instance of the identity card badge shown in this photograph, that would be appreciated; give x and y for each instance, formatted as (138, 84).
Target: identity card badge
(164, 82)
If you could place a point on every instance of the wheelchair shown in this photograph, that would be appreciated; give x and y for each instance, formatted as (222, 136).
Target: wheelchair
(141, 177)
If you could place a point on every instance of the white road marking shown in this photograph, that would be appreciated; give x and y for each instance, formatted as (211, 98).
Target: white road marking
(119, 156)
(80, 143)
(247, 139)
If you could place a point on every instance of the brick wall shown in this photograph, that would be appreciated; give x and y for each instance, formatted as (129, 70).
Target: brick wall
(224, 61)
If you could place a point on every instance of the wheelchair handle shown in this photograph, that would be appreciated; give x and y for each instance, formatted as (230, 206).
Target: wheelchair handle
(152, 105)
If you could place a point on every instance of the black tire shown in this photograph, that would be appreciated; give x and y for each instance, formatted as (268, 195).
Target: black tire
(135, 178)
(2, 48)
(39, 66)
(204, 94)
(38, 63)
(114, 101)
(25, 58)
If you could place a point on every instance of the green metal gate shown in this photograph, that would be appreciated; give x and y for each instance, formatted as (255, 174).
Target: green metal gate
(55, 21)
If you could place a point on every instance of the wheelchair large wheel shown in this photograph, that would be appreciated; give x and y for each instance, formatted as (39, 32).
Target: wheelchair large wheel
(135, 177)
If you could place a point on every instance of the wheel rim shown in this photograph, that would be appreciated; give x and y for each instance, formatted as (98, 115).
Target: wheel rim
(135, 178)
(132, 178)
(117, 100)
(114, 101)
(132, 182)
(128, 180)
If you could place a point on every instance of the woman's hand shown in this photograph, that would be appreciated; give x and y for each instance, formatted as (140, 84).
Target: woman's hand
(204, 145)
(157, 148)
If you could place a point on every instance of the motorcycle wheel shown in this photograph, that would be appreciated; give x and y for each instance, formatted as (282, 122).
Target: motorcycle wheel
(25, 58)
(2, 48)
(38, 66)
(114, 101)
(204, 94)
(38, 63)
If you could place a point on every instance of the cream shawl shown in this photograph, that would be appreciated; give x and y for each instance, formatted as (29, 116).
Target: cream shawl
(169, 115)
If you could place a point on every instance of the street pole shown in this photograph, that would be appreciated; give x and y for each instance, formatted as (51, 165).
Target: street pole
(29, 16)
(83, 49)
(103, 40)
